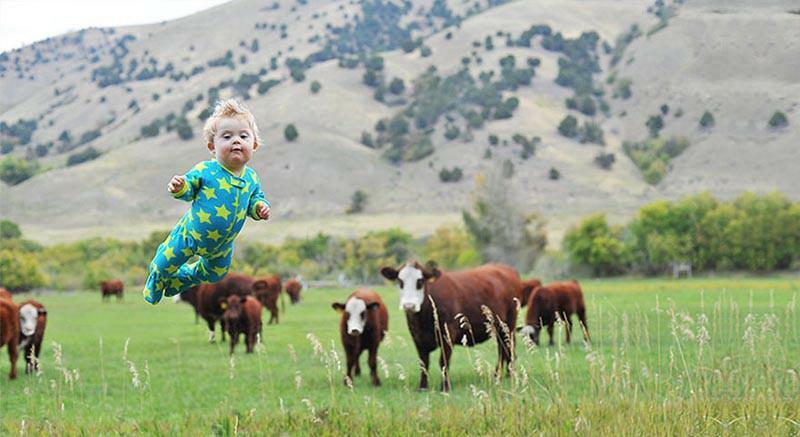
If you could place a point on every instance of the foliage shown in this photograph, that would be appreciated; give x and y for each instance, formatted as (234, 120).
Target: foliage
(568, 127)
(9, 230)
(654, 125)
(290, 132)
(654, 155)
(453, 175)
(604, 160)
(315, 87)
(20, 271)
(452, 248)
(778, 120)
(357, 202)
(707, 120)
(87, 154)
(596, 244)
(14, 171)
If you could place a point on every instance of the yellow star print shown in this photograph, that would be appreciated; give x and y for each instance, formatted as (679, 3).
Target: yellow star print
(186, 251)
(202, 251)
(214, 235)
(240, 214)
(196, 235)
(200, 167)
(210, 193)
(224, 185)
(204, 216)
(222, 212)
(169, 253)
(171, 269)
(219, 270)
(176, 283)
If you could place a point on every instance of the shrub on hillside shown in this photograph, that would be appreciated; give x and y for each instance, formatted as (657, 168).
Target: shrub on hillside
(87, 154)
(20, 271)
(707, 120)
(778, 120)
(568, 127)
(452, 248)
(290, 132)
(596, 244)
(357, 202)
(14, 170)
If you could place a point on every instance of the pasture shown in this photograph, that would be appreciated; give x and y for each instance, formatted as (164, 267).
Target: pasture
(702, 356)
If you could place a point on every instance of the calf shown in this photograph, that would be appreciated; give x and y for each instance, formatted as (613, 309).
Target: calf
(364, 323)
(242, 316)
(467, 307)
(32, 320)
(205, 299)
(527, 288)
(293, 288)
(110, 288)
(9, 332)
(4, 294)
(267, 290)
(556, 300)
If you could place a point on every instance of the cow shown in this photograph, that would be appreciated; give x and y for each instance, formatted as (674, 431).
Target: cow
(4, 294)
(9, 332)
(205, 298)
(267, 290)
(527, 288)
(242, 316)
(32, 321)
(465, 307)
(293, 288)
(364, 323)
(111, 287)
(556, 300)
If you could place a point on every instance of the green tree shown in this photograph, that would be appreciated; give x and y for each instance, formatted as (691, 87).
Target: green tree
(290, 132)
(654, 125)
(778, 120)
(452, 248)
(596, 244)
(568, 127)
(357, 202)
(9, 230)
(20, 271)
(707, 120)
(14, 170)
(315, 87)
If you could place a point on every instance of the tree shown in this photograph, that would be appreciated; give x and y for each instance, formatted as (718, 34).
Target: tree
(397, 86)
(315, 87)
(9, 230)
(13, 170)
(568, 127)
(597, 245)
(20, 271)
(501, 231)
(290, 132)
(357, 202)
(778, 120)
(452, 248)
(654, 125)
(707, 120)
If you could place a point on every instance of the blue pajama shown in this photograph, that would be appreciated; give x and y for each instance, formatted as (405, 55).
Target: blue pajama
(220, 203)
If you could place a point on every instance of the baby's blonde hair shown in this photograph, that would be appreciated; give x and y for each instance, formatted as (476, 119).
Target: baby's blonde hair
(233, 109)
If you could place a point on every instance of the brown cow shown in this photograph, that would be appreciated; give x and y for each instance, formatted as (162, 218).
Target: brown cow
(527, 288)
(556, 300)
(111, 287)
(4, 294)
(32, 321)
(364, 323)
(205, 299)
(267, 290)
(9, 332)
(293, 288)
(242, 316)
(464, 301)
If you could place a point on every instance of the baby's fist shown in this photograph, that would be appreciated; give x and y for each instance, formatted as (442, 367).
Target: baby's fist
(262, 210)
(175, 184)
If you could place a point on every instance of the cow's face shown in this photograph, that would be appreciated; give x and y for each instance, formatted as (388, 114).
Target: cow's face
(232, 306)
(28, 315)
(355, 312)
(532, 332)
(411, 278)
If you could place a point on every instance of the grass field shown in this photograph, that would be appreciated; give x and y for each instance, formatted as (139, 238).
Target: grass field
(703, 356)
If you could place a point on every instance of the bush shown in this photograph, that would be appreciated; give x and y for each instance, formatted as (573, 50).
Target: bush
(452, 248)
(9, 230)
(290, 132)
(553, 174)
(568, 127)
(20, 271)
(654, 125)
(706, 121)
(778, 120)
(604, 160)
(264, 87)
(453, 175)
(397, 86)
(315, 87)
(14, 171)
(87, 154)
(597, 245)
(357, 202)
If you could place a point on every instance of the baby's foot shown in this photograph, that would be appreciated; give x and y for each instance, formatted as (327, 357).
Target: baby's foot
(151, 296)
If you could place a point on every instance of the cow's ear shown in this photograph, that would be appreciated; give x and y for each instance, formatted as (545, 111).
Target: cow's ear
(242, 298)
(431, 274)
(42, 311)
(339, 307)
(223, 303)
(389, 273)
(372, 305)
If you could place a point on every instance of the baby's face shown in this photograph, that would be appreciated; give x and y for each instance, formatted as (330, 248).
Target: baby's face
(233, 144)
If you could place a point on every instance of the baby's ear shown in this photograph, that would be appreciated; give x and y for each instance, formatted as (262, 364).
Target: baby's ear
(210, 147)
(255, 145)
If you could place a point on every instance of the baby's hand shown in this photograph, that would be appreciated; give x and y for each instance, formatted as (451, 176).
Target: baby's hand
(262, 210)
(176, 184)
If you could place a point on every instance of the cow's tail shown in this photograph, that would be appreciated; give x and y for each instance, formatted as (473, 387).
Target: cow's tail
(283, 303)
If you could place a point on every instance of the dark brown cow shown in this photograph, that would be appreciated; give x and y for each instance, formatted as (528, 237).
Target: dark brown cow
(464, 301)
(556, 300)
(527, 288)
(293, 288)
(9, 332)
(364, 323)
(111, 287)
(242, 316)
(32, 322)
(205, 298)
(267, 290)
(4, 294)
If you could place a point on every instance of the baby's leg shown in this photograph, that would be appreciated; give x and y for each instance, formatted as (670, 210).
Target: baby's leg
(211, 267)
(171, 255)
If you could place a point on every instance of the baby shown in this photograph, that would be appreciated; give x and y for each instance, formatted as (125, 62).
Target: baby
(222, 191)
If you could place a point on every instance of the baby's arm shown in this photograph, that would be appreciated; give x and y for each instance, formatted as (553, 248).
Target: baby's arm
(187, 186)
(256, 211)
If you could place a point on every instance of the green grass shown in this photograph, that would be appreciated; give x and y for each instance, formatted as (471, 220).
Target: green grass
(704, 356)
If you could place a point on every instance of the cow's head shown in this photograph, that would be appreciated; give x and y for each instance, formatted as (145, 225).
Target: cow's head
(356, 312)
(28, 318)
(232, 305)
(411, 278)
(532, 331)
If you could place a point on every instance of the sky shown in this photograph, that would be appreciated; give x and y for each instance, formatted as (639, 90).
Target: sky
(26, 21)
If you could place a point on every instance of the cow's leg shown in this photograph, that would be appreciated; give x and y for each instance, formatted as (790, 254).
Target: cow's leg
(30, 354)
(582, 319)
(568, 320)
(550, 326)
(444, 364)
(13, 354)
(373, 365)
(351, 364)
(222, 327)
(210, 322)
(424, 358)
(234, 339)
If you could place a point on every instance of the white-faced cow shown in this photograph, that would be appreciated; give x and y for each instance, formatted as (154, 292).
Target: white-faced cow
(9, 332)
(32, 323)
(470, 306)
(364, 323)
